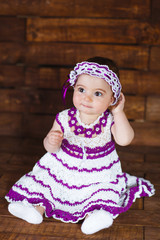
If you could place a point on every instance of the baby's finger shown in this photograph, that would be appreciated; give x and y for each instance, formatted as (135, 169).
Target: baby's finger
(55, 139)
(56, 133)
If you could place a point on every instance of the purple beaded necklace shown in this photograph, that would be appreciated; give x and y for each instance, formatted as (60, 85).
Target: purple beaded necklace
(87, 131)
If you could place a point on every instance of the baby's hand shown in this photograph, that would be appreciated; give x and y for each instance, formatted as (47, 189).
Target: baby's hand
(55, 137)
(53, 140)
(120, 105)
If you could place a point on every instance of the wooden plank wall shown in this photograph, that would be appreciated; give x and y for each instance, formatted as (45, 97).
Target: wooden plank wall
(40, 40)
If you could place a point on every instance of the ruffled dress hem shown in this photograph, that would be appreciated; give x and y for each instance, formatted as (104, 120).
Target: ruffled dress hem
(143, 190)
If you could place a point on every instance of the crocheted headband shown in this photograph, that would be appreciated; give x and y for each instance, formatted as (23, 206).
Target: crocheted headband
(96, 70)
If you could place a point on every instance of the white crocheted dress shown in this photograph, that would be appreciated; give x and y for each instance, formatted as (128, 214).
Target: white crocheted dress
(84, 175)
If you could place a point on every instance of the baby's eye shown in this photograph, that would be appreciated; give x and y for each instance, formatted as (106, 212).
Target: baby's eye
(98, 94)
(80, 89)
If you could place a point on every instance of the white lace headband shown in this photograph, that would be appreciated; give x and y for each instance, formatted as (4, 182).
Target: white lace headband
(97, 70)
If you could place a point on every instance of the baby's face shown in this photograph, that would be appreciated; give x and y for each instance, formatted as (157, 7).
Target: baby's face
(92, 95)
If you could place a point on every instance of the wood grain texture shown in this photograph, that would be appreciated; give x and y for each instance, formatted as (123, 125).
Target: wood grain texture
(152, 233)
(140, 218)
(74, 8)
(12, 29)
(52, 229)
(146, 133)
(46, 78)
(83, 30)
(12, 53)
(155, 10)
(10, 124)
(126, 56)
(11, 76)
(153, 109)
(69, 54)
(154, 59)
(153, 205)
(143, 83)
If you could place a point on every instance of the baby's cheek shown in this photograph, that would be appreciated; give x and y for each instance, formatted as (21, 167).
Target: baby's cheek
(76, 99)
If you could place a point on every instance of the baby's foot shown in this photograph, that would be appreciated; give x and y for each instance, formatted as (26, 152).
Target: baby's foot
(25, 212)
(96, 221)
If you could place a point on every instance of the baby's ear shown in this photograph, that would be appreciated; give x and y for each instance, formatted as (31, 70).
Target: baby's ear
(112, 100)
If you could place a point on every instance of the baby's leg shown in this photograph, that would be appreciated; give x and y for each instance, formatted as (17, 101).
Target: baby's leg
(28, 213)
(96, 221)
(40, 209)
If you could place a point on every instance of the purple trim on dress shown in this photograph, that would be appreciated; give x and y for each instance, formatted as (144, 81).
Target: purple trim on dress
(125, 177)
(115, 182)
(68, 217)
(50, 208)
(112, 124)
(147, 186)
(85, 169)
(61, 182)
(57, 119)
(58, 199)
(91, 153)
(16, 197)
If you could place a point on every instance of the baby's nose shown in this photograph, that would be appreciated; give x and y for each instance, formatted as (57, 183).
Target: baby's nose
(88, 98)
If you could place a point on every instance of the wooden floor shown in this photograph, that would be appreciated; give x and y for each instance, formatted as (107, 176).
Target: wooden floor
(141, 222)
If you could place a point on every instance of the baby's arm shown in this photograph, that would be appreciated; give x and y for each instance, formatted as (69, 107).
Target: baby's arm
(53, 140)
(122, 131)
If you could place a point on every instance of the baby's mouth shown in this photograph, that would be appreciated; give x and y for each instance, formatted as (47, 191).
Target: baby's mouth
(86, 106)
